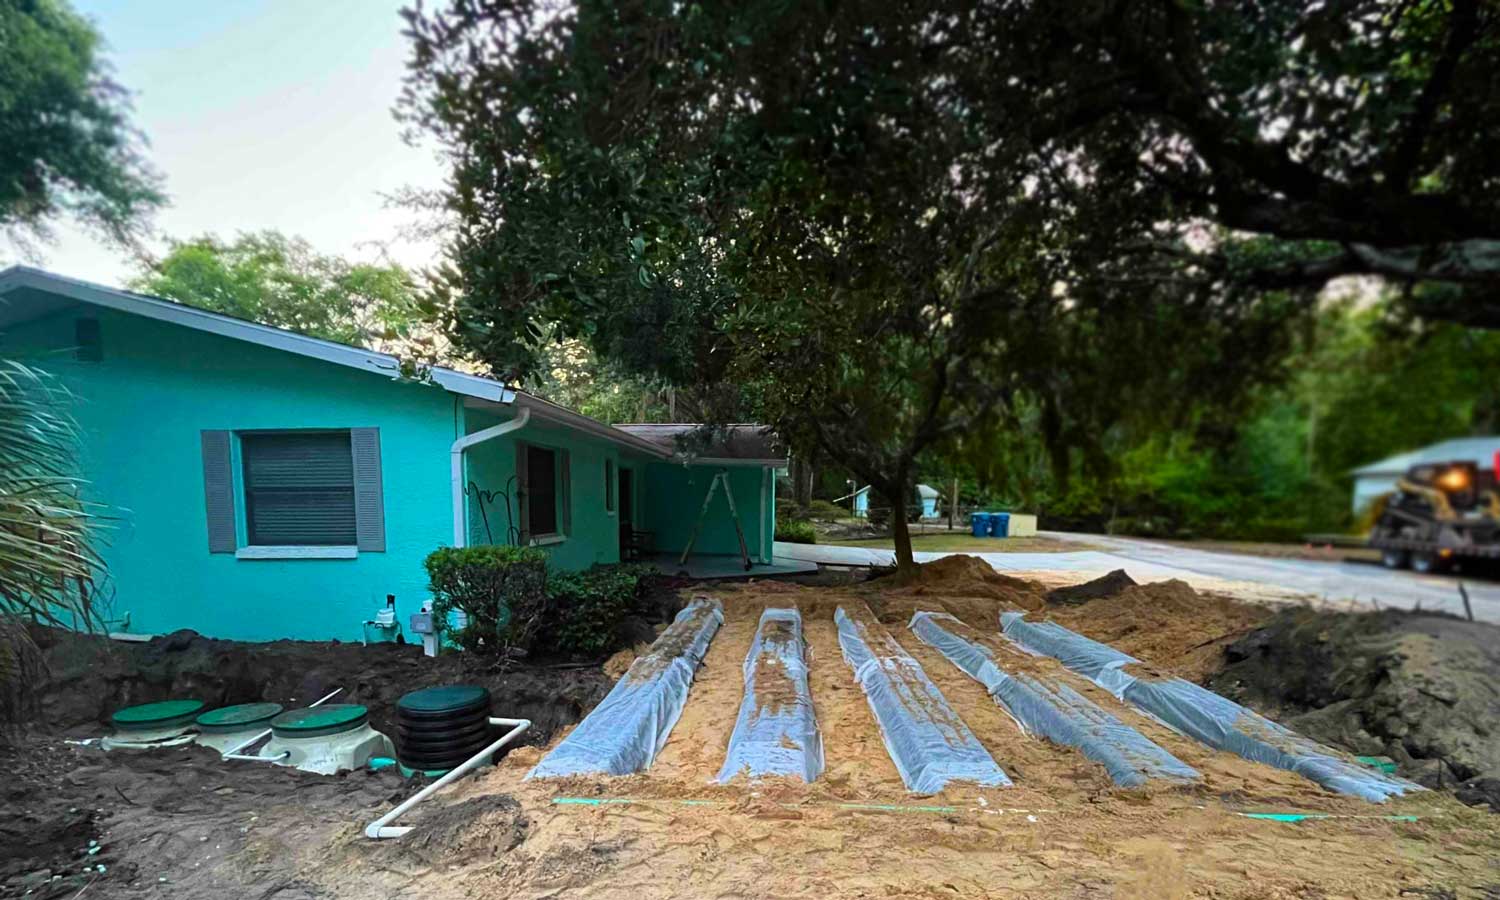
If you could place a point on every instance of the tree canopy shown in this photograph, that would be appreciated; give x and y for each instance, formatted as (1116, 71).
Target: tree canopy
(800, 215)
(896, 228)
(1358, 134)
(281, 281)
(69, 149)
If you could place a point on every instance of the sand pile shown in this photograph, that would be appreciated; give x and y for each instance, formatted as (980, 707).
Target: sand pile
(1166, 623)
(967, 576)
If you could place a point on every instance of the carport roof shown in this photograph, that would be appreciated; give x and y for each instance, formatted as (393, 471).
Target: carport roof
(739, 444)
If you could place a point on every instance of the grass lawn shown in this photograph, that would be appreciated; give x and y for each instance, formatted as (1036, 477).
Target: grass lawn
(965, 543)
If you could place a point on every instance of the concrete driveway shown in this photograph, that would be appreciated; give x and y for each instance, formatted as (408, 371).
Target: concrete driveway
(1346, 584)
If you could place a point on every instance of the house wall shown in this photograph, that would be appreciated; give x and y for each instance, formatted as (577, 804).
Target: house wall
(143, 406)
(141, 410)
(673, 499)
(490, 466)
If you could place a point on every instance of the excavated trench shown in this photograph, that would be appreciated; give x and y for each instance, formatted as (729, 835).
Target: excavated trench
(856, 826)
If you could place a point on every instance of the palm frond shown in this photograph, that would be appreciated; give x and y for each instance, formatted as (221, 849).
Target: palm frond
(49, 568)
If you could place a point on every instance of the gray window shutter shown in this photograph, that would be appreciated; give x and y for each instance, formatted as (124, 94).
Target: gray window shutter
(369, 496)
(523, 487)
(565, 493)
(218, 492)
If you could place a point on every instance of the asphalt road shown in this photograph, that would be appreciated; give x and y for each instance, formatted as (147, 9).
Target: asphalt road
(1355, 584)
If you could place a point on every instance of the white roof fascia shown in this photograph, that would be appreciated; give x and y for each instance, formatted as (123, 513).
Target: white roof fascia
(716, 461)
(385, 364)
(561, 415)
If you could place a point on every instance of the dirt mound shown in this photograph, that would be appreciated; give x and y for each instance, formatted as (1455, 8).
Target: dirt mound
(1419, 689)
(479, 827)
(1106, 586)
(91, 677)
(1165, 623)
(969, 576)
(122, 824)
(620, 663)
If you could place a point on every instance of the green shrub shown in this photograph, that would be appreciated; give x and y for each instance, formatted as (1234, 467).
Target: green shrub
(824, 511)
(502, 590)
(586, 609)
(796, 531)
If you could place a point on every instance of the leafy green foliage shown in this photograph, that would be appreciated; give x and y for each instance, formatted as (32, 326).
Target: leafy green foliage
(797, 212)
(825, 511)
(796, 531)
(586, 609)
(570, 373)
(68, 148)
(49, 570)
(501, 589)
(1365, 383)
(1323, 140)
(275, 280)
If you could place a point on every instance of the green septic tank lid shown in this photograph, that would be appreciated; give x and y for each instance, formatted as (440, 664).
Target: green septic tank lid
(314, 721)
(162, 714)
(450, 698)
(238, 718)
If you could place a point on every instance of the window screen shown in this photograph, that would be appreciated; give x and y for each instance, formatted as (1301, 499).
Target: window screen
(299, 489)
(541, 490)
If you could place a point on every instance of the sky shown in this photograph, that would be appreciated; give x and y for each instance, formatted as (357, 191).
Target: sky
(260, 114)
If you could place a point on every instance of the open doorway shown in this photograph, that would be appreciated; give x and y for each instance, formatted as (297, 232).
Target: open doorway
(626, 498)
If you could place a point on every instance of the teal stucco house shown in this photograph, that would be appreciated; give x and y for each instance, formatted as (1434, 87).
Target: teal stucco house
(263, 484)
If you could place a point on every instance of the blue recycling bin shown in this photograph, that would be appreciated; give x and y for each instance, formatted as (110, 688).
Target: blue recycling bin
(979, 523)
(999, 525)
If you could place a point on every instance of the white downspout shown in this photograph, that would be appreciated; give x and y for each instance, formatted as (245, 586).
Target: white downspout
(456, 454)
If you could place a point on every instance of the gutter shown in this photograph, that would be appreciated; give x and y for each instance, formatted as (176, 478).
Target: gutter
(456, 460)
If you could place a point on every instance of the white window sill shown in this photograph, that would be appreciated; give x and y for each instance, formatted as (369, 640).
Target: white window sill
(296, 553)
(543, 540)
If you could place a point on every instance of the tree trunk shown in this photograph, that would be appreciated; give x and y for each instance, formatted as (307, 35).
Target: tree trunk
(802, 481)
(953, 506)
(906, 565)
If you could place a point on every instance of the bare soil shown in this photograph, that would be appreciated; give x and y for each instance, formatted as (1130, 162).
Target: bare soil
(1420, 689)
(1063, 830)
(1167, 624)
(60, 796)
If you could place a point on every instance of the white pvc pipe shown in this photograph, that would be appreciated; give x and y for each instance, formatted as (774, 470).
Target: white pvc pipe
(456, 461)
(381, 827)
(234, 752)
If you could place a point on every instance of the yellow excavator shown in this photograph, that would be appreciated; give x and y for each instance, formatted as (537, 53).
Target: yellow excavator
(1439, 514)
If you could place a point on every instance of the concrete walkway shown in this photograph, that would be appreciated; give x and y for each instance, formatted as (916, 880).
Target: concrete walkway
(1353, 584)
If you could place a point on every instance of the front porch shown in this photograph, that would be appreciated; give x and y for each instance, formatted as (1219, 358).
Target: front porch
(716, 566)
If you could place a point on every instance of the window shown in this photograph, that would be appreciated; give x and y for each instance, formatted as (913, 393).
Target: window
(299, 488)
(609, 485)
(541, 491)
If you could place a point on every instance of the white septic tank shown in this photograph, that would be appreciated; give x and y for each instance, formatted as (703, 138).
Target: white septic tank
(325, 739)
(232, 726)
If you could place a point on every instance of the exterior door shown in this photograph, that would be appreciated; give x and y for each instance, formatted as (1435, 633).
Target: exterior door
(625, 501)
